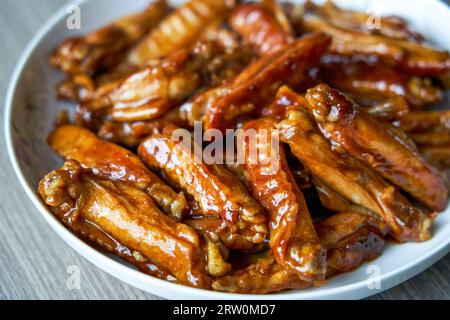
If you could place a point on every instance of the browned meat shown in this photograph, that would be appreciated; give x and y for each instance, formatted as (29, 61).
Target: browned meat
(113, 162)
(216, 191)
(370, 141)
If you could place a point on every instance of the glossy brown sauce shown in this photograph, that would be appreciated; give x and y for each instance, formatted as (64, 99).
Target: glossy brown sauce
(363, 158)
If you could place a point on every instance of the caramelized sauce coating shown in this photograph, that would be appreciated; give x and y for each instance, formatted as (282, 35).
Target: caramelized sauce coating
(128, 215)
(130, 134)
(365, 138)
(318, 175)
(105, 48)
(180, 29)
(361, 79)
(350, 238)
(224, 232)
(264, 276)
(423, 121)
(259, 27)
(153, 91)
(390, 110)
(348, 177)
(113, 162)
(411, 57)
(390, 26)
(293, 240)
(220, 107)
(216, 191)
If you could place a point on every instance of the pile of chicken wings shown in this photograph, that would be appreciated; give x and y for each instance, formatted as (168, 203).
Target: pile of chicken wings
(363, 157)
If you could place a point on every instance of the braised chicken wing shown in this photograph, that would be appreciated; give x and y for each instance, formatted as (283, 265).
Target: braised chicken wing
(219, 228)
(264, 276)
(363, 81)
(259, 27)
(154, 90)
(220, 107)
(351, 238)
(113, 162)
(425, 121)
(216, 191)
(365, 138)
(130, 134)
(105, 48)
(128, 215)
(352, 180)
(390, 109)
(390, 26)
(293, 240)
(180, 29)
(412, 57)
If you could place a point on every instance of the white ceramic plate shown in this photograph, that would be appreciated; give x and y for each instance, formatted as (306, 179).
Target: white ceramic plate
(31, 109)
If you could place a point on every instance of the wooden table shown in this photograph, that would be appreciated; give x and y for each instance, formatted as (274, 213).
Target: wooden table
(34, 261)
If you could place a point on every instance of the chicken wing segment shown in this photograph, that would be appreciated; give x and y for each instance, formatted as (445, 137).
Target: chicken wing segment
(259, 27)
(130, 134)
(352, 239)
(412, 57)
(255, 87)
(425, 121)
(293, 239)
(391, 109)
(113, 162)
(106, 47)
(153, 91)
(439, 156)
(377, 145)
(365, 81)
(219, 228)
(128, 215)
(390, 26)
(264, 276)
(180, 29)
(349, 178)
(215, 190)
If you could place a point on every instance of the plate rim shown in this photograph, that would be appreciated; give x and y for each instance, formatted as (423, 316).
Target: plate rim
(151, 284)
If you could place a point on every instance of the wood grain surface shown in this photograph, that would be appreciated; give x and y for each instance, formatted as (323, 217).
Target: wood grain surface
(34, 261)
